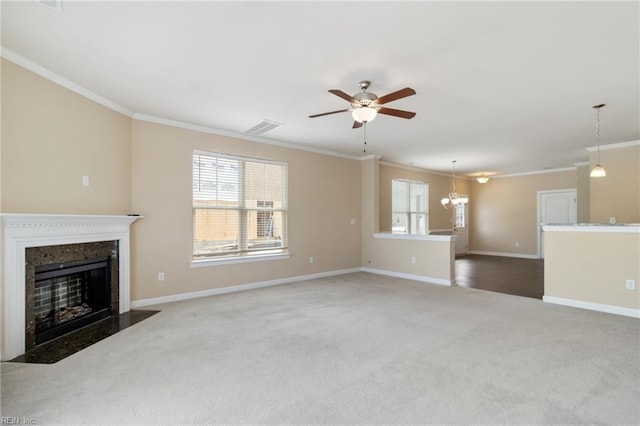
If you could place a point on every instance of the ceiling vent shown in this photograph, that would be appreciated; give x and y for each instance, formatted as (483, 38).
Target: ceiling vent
(262, 127)
(51, 4)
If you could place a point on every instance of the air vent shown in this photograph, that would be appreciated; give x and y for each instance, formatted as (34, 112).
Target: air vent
(262, 127)
(51, 4)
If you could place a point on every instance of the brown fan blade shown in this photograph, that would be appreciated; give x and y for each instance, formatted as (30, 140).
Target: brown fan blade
(343, 95)
(397, 112)
(327, 113)
(399, 94)
(356, 125)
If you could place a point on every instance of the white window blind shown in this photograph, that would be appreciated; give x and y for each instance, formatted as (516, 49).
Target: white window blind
(409, 207)
(239, 206)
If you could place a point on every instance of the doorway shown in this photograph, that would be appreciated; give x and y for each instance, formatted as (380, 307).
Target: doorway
(557, 207)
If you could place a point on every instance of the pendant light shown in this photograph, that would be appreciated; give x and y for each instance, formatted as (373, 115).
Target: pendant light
(454, 198)
(598, 170)
(482, 178)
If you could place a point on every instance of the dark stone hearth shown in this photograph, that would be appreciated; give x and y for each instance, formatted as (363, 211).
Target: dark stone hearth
(62, 347)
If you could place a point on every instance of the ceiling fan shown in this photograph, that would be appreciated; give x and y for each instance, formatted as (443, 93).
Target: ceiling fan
(365, 105)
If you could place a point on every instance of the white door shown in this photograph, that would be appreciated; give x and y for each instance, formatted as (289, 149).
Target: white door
(461, 228)
(555, 207)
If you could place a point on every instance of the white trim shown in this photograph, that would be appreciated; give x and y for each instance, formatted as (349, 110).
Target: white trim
(614, 146)
(582, 164)
(391, 236)
(495, 253)
(422, 278)
(537, 172)
(12, 56)
(20, 231)
(588, 227)
(617, 310)
(204, 263)
(233, 289)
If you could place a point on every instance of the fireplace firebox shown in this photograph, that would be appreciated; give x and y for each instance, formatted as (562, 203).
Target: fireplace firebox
(70, 295)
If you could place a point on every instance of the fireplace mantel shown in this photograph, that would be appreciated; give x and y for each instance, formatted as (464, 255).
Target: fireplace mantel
(20, 231)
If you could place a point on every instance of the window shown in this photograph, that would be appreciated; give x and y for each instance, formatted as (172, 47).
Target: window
(409, 207)
(239, 206)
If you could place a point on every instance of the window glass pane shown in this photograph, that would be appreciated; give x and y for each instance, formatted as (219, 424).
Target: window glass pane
(215, 232)
(418, 223)
(400, 223)
(216, 180)
(418, 197)
(265, 230)
(400, 196)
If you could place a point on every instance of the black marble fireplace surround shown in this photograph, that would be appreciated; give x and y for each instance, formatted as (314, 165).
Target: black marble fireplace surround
(47, 257)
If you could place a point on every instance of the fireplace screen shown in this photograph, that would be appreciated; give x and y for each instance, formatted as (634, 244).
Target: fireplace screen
(71, 295)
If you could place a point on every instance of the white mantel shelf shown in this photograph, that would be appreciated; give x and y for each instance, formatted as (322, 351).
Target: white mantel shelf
(21, 231)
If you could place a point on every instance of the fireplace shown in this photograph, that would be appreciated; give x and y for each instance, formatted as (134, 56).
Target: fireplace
(68, 296)
(45, 242)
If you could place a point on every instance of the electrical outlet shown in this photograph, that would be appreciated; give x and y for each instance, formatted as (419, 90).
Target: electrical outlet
(85, 180)
(517, 244)
(413, 259)
(160, 276)
(310, 259)
(631, 285)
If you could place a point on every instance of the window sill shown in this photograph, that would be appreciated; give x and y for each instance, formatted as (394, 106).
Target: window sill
(238, 259)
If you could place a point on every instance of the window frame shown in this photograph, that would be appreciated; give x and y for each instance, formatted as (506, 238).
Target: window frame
(243, 252)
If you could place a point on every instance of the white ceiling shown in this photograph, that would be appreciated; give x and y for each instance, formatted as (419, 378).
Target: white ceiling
(502, 87)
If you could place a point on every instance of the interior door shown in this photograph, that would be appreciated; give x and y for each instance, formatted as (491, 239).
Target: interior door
(555, 207)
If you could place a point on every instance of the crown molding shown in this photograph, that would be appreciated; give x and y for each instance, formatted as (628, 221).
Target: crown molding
(614, 146)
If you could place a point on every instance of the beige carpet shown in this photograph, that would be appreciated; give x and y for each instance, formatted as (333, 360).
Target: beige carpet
(351, 349)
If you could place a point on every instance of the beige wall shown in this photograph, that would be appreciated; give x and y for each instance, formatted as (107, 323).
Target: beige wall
(503, 211)
(592, 267)
(617, 194)
(583, 192)
(433, 259)
(321, 206)
(51, 137)
(439, 187)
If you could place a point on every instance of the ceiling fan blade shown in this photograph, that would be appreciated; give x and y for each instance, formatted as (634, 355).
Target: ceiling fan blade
(397, 112)
(343, 95)
(328, 113)
(356, 125)
(394, 96)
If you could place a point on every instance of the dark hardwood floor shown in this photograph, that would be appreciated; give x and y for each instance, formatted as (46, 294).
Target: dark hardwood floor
(511, 275)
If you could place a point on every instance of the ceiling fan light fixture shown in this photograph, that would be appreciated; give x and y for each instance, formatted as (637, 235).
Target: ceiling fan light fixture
(364, 114)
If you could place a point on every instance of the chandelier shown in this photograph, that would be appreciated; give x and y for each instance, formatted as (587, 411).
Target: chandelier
(598, 170)
(454, 198)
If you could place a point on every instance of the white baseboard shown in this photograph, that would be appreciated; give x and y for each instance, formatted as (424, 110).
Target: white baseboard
(495, 253)
(627, 312)
(243, 287)
(422, 278)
